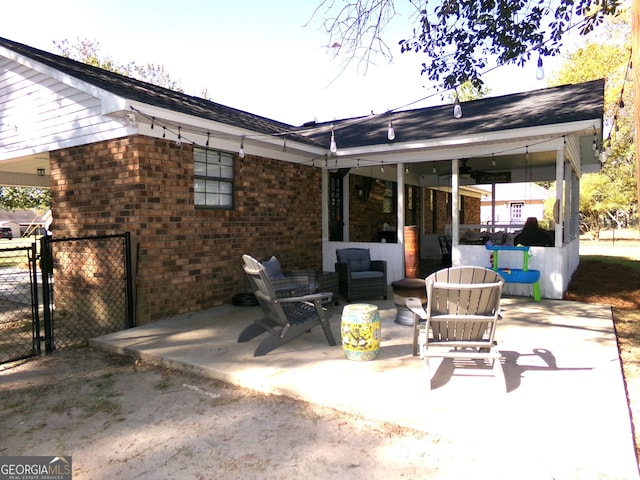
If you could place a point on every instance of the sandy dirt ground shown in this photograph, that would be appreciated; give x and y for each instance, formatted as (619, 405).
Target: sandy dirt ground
(119, 418)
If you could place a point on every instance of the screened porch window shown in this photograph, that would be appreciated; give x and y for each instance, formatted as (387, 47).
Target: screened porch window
(213, 179)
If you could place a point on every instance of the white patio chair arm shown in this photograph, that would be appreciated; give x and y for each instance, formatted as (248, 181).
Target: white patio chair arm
(415, 305)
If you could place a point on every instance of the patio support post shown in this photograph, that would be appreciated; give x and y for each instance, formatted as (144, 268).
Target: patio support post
(560, 207)
(401, 217)
(493, 207)
(325, 205)
(455, 207)
(346, 208)
(575, 206)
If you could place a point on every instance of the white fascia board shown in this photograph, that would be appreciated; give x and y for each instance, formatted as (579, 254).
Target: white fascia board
(110, 102)
(475, 141)
(448, 153)
(194, 130)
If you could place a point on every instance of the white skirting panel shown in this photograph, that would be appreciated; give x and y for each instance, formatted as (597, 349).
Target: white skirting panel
(556, 266)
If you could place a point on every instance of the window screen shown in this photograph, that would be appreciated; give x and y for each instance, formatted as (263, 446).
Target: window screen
(213, 179)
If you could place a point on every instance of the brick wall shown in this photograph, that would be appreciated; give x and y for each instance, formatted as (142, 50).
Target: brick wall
(366, 218)
(441, 203)
(189, 259)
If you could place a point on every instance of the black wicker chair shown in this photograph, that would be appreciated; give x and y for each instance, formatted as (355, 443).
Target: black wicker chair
(359, 276)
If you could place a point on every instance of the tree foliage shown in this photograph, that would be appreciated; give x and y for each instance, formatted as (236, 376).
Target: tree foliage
(460, 37)
(88, 51)
(21, 198)
(608, 198)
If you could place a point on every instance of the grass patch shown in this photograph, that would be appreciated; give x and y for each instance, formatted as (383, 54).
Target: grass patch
(626, 262)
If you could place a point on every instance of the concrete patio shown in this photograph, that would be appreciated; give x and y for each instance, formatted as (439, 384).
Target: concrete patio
(564, 415)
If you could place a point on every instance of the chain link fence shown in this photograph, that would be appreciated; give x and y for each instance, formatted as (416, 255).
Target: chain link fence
(88, 288)
(86, 291)
(19, 315)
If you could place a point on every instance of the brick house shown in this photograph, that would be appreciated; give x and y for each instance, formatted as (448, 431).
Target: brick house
(198, 184)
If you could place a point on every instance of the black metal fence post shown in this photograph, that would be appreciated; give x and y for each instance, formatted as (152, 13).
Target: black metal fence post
(46, 266)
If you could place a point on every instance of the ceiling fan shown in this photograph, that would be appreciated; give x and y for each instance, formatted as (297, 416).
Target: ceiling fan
(464, 170)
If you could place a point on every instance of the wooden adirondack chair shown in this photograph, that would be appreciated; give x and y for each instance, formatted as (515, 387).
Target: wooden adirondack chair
(463, 308)
(284, 318)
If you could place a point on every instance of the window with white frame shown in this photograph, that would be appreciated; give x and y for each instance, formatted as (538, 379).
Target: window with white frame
(515, 211)
(213, 179)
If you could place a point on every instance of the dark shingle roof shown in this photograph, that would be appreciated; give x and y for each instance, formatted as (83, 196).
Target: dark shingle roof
(144, 92)
(549, 106)
(557, 105)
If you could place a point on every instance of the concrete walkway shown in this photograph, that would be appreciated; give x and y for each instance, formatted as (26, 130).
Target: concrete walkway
(564, 415)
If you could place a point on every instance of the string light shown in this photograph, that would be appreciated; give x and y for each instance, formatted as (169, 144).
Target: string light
(311, 162)
(457, 108)
(540, 69)
(241, 152)
(391, 133)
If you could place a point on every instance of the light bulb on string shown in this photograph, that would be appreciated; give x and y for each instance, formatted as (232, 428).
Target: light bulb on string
(621, 109)
(333, 147)
(391, 133)
(457, 108)
(540, 69)
(602, 157)
(179, 139)
(241, 152)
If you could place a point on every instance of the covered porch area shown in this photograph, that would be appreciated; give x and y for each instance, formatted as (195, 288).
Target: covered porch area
(550, 135)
